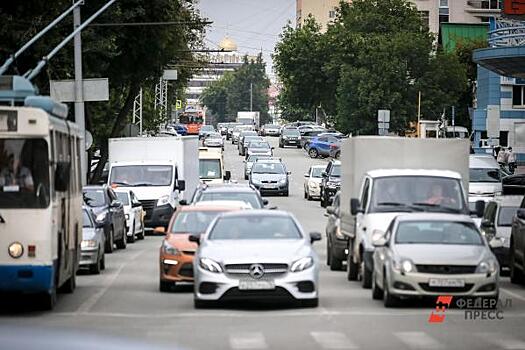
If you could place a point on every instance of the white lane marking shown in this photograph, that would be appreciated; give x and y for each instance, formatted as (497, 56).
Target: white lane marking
(418, 340)
(333, 340)
(86, 306)
(501, 340)
(512, 294)
(248, 340)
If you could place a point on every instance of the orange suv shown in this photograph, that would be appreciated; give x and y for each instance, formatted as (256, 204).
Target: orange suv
(176, 251)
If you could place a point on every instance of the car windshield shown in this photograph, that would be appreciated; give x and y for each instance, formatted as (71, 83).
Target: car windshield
(437, 232)
(268, 168)
(86, 219)
(214, 135)
(250, 135)
(505, 216)
(259, 145)
(24, 173)
(254, 227)
(316, 172)
(417, 193)
(291, 132)
(94, 198)
(336, 171)
(123, 197)
(484, 175)
(247, 197)
(142, 175)
(210, 169)
(193, 221)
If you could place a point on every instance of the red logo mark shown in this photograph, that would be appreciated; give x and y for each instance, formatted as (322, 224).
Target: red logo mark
(514, 7)
(442, 303)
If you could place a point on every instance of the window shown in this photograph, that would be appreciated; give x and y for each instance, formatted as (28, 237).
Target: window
(438, 232)
(490, 4)
(518, 99)
(425, 18)
(504, 138)
(443, 11)
(443, 3)
(331, 14)
(519, 134)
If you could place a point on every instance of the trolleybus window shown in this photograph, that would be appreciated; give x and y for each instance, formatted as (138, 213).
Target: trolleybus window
(24, 173)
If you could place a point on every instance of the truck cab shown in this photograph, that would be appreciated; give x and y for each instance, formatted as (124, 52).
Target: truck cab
(211, 166)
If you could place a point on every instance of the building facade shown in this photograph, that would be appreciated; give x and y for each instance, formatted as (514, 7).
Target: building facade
(324, 11)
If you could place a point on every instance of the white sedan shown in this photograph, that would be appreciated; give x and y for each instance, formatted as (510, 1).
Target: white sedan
(312, 182)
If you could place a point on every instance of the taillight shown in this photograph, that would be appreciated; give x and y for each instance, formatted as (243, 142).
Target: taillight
(333, 146)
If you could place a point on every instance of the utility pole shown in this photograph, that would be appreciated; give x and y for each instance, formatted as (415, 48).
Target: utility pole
(454, 121)
(79, 91)
(251, 97)
(419, 115)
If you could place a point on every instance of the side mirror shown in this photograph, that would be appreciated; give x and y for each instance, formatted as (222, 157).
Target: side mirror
(378, 239)
(181, 185)
(355, 206)
(195, 238)
(288, 173)
(480, 209)
(136, 204)
(227, 175)
(521, 214)
(324, 174)
(183, 202)
(330, 210)
(315, 236)
(62, 174)
(265, 202)
(161, 230)
(306, 175)
(496, 243)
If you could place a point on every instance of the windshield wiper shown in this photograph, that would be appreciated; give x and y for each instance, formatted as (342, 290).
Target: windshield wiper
(398, 206)
(144, 184)
(120, 183)
(437, 206)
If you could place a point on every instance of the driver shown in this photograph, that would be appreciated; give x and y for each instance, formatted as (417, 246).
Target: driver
(437, 196)
(16, 175)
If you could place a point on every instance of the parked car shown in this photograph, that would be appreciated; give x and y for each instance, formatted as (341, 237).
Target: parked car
(426, 254)
(276, 259)
(290, 137)
(229, 192)
(321, 146)
(331, 182)
(109, 213)
(336, 242)
(312, 182)
(134, 214)
(270, 178)
(205, 130)
(306, 128)
(307, 136)
(517, 246)
(258, 148)
(248, 163)
(497, 224)
(176, 251)
(270, 130)
(213, 139)
(93, 243)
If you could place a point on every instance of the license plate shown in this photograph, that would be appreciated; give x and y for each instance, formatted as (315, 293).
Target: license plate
(292, 141)
(256, 285)
(449, 282)
(270, 186)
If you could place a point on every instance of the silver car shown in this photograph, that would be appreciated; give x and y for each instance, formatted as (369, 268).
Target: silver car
(270, 178)
(256, 254)
(259, 148)
(92, 245)
(213, 139)
(248, 163)
(428, 254)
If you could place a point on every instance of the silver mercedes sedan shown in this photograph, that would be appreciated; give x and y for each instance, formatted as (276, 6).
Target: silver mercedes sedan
(427, 254)
(257, 254)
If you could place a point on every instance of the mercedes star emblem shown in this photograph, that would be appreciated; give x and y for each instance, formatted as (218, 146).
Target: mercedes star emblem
(256, 271)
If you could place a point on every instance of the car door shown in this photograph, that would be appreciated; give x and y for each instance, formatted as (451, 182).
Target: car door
(307, 179)
(323, 146)
(118, 217)
(137, 211)
(518, 234)
(488, 223)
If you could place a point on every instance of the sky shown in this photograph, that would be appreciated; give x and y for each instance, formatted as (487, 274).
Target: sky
(254, 25)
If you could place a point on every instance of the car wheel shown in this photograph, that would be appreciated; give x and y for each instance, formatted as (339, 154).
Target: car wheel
(365, 275)
(299, 146)
(110, 241)
(323, 201)
(95, 268)
(313, 153)
(335, 264)
(352, 269)
(142, 230)
(166, 286)
(516, 275)
(337, 155)
(328, 251)
(305, 195)
(246, 177)
(377, 293)
(310, 302)
(132, 238)
(286, 193)
(389, 300)
(103, 262)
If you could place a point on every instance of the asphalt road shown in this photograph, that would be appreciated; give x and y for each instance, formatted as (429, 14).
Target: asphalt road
(124, 302)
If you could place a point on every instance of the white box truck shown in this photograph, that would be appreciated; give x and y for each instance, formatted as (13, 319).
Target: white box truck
(249, 118)
(161, 171)
(385, 176)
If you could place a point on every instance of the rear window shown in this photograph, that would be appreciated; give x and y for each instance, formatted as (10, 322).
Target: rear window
(505, 215)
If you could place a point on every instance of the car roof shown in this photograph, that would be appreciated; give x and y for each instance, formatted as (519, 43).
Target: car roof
(413, 172)
(434, 217)
(206, 206)
(228, 188)
(258, 212)
(223, 204)
(482, 161)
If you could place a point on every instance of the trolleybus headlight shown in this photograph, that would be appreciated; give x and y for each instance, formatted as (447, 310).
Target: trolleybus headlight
(16, 250)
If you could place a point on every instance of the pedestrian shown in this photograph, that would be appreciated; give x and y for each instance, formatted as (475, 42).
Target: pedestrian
(511, 160)
(495, 151)
(501, 158)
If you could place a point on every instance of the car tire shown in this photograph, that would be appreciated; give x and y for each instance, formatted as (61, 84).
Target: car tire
(328, 251)
(132, 238)
(246, 177)
(313, 153)
(286, 193)
(377, 293)
(281, 145)
(305, 195)
(310, 302)
(516, 275)
(110, 241)
(202, 304)
(352, 268)
(103, 262)
(337, 155)
(299, 146)
(95, 269)
(335, 264)
(389, 300)
(142, 234)
(323, 201)
(366, 276)
(166, 286)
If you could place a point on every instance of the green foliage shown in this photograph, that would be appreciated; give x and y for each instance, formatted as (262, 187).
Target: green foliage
(231, 94)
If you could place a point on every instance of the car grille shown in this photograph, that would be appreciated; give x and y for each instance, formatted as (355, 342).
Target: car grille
(186, 270)
(148, 206)
(463, 289)
(446, 269)
(277, 293)
(188, 252)
(243, 270)
(269, 182)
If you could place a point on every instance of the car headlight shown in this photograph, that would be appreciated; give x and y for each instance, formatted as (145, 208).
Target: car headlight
(210, 265)
(169, 249)
(313, 184)
(163, 200)
(404, 265)
(89, 243)
(102, 216)
(302, 264)
(285, 137)
(127, 216)
(16, 250)
(282, 181)
(488, 266)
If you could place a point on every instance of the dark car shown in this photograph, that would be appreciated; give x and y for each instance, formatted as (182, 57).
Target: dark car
(229, 129)
(331, 182)
(290, 137)
(517, 246)
(322, 146)
(109, 213)
(245, 138)
(229, 192)
(336, 242)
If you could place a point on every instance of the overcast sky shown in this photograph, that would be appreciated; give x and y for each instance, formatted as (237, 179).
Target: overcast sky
(252, 24)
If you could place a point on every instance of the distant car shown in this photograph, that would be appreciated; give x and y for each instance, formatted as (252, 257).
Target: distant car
(213, 139)
(270, 130)
(270, 178)
(93, 242)
(205, 130)
(290, 137)
(238, 130)
(245, 138)
(248, 163)
(306, 128)
(134, 214)
(229, 192)
(230, 128)
(331, 182)
(258, 148)
(181, 129)
(336, 242)
(517, 246)
(109, 213)
(222, 128)
(312, 182)
(176, 251)
(428, 254)
(321, 146)
(256, 254)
